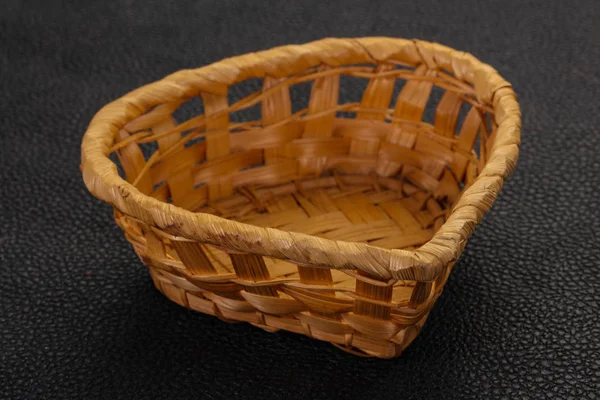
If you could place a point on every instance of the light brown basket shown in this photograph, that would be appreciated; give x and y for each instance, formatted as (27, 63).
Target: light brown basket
(337, 221)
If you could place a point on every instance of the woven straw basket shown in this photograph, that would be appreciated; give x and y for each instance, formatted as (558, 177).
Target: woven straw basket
(340, 220)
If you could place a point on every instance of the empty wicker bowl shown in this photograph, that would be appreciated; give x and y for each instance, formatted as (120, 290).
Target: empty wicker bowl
(332, 217)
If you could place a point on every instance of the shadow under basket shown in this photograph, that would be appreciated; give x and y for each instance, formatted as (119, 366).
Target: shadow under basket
(258, 189)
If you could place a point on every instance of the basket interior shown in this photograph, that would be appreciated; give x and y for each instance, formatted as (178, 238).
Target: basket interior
(365, 153)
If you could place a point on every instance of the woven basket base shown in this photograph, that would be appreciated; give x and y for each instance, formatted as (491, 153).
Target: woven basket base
(388, 213)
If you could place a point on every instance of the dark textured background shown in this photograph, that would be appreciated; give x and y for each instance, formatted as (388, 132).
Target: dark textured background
(79, 317)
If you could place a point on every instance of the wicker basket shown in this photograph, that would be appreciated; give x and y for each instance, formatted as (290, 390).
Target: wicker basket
(340, 221)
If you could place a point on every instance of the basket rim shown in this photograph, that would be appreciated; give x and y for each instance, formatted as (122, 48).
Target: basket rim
(422, 264)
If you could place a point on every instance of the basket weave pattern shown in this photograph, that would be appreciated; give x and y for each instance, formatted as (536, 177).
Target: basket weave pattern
(340, 221)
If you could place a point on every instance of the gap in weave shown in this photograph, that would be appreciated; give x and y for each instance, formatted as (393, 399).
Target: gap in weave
(191, 108)
(193, 141)
(240, 90)
(252, 167)
(398, 85)
(351, 91)
(462, 115)
(199, 185)
(477, 146)
(364, 65)
(300, 95)
(158, 185)
(148, 149)
(346, 114)
(432, 103)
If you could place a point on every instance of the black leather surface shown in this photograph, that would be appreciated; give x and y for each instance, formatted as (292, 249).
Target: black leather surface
(79, 317)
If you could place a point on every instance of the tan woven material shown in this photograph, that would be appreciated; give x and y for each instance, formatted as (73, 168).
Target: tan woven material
(337, 221)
